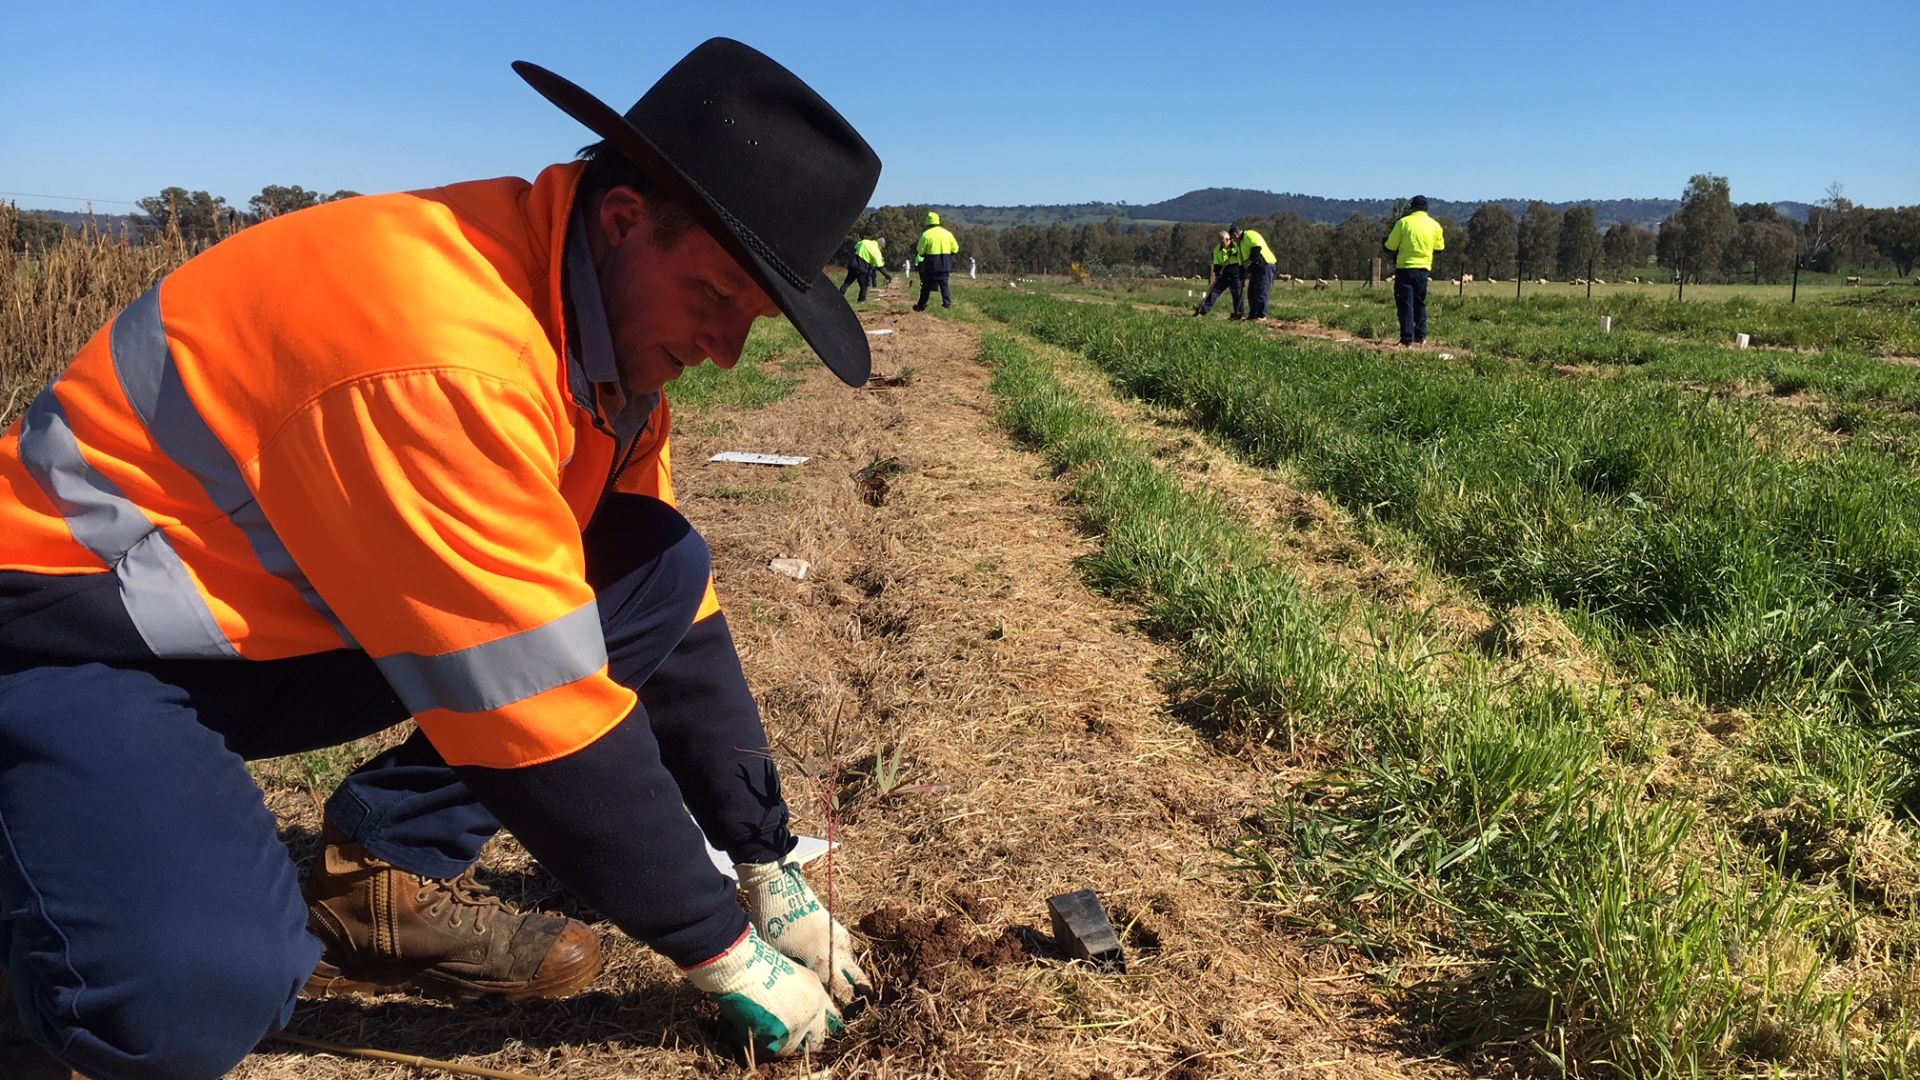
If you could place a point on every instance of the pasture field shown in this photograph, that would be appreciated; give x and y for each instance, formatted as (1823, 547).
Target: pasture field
(1841, 345)
(1759, 736)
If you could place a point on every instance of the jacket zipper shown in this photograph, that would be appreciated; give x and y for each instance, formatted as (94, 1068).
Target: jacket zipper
(626, 459)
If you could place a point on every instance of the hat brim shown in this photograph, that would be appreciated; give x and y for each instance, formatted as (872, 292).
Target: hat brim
(819, 312)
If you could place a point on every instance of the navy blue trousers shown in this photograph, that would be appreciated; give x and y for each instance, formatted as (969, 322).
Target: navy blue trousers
(1259, 284)
(151, 919)
(930, 280)
(859, 272)
(1410, 301)
(1228, 279)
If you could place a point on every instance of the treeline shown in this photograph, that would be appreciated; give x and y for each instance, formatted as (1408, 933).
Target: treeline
(198, 216)
(1232, 204)
(1229, 204)
(1707, 238)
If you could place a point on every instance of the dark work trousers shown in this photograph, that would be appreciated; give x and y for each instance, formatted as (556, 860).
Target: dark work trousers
(930, 280)
(1410, 299)
(152, 921)
(1227, 280)
(858, 271)
(1259, 284)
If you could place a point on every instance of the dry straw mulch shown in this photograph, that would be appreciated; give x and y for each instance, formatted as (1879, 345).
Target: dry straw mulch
(947, 629)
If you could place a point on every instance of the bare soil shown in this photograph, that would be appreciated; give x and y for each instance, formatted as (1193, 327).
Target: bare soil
(943, 625)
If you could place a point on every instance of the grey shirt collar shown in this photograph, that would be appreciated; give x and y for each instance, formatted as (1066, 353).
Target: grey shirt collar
(590, 357)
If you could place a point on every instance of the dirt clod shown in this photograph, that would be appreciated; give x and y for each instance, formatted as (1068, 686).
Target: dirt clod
(971, 905)
(1189, 1064)
(926, 950)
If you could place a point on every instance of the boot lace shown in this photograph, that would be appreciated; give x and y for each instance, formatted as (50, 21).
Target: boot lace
(461, 894)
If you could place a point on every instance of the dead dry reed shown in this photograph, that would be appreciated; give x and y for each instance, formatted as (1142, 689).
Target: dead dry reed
(53, 299)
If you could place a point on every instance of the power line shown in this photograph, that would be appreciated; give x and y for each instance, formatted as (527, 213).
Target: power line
(69, 198)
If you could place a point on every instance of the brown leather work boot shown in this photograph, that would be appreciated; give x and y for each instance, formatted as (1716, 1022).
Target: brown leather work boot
(385, 930)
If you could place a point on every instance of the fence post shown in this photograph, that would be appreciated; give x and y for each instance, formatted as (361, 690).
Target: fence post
(1589, 277)
(1794, 296)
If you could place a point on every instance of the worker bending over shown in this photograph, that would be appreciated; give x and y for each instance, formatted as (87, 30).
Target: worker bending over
(863, 264)
(407, 456)
(1226, 278)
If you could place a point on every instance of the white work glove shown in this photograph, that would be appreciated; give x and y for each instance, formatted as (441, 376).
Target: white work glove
(776, 1007)
(792, 919)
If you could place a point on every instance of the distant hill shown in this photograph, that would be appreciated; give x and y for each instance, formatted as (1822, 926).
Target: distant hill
(996, 217)
(111, 224)
(1226, 204)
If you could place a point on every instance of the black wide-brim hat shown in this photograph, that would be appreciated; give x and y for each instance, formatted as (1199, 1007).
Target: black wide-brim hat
(763, 163)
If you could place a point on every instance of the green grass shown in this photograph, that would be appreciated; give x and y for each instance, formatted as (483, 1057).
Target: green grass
(761, 378)
(1829, 346)
(1716, 554)
(316, 771)
(1487, 840)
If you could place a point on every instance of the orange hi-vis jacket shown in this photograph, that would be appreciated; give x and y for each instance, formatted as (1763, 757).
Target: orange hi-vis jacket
(352, 427)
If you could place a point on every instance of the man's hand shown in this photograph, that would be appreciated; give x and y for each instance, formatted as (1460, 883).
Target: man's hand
(793, 920)
(778, 1008)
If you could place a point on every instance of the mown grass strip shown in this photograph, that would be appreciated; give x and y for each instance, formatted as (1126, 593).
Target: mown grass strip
(1480, 829)
(1257, 648)
(1675, 529)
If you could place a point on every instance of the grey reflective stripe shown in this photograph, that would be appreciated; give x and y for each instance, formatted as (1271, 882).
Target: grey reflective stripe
(504, 670)
(159, 594)
(143, 361)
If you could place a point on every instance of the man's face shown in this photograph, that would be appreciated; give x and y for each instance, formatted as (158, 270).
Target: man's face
(670, 307)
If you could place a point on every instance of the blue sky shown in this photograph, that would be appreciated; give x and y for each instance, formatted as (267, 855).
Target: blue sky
(991, 102)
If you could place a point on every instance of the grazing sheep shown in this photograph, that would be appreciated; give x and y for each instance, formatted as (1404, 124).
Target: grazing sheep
(1597, 281)
(1468, 278)
(1319, 285)
(1853, 281)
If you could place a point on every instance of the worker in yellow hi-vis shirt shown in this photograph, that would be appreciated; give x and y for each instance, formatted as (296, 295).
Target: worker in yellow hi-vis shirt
(863, 264)
(933, 257)
(1226, 278)
(1256, 263)
(1413, 241)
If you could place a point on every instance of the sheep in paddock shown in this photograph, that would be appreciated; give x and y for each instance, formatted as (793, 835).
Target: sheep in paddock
(1319, 285)
(1853, 281)
(1467, 278)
